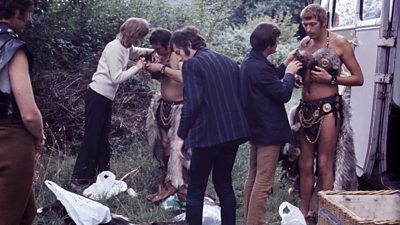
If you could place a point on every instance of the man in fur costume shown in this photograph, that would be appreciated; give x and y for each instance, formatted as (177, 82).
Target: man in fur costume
(164, 115)
(345, 177)
(320, 111)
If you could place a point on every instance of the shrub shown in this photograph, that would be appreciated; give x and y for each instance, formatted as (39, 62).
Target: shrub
(235, 41)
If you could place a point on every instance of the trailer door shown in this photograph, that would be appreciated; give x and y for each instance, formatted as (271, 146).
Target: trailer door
(363, 99)
(361, 28)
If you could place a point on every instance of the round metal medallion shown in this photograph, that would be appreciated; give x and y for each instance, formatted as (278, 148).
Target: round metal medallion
(327, 107)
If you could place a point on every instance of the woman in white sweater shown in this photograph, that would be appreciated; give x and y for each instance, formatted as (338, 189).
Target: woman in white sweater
(94, 154)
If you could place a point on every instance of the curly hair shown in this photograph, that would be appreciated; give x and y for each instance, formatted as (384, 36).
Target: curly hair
(9, 7)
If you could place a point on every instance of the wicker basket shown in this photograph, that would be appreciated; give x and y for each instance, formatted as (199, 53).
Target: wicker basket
(359, 207)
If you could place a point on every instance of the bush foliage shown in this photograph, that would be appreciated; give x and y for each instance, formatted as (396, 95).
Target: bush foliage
(67, 38)
(65, 33)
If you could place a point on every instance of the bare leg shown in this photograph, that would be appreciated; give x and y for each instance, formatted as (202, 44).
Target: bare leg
(165, 142)
(326, 151)
(306, 165)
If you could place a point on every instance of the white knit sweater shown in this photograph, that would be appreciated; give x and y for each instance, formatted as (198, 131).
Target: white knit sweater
(112, 68)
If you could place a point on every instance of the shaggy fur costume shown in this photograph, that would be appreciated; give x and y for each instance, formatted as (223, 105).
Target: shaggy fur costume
(175, 163)
(345, 160)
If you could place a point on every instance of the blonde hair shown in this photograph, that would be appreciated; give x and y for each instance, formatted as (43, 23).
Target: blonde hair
(132, 31)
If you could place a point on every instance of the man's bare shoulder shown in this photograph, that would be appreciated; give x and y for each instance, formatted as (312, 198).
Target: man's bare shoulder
(339, 40)
(340, 44)
(304, 42)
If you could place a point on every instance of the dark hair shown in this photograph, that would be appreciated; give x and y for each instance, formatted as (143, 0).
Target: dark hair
(263, 36)
(314, 11)
(8, 7)
(161, 36)
(188, 36)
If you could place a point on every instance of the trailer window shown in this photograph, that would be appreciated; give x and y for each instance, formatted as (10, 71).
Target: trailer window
(370, 9)
(344, 13)
(325, 4)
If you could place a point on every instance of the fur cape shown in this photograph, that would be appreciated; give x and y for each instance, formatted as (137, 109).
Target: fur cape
(175, 164)
(345, 158)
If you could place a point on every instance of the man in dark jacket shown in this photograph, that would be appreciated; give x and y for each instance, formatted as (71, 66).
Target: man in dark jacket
(264, 96)
(212, 123)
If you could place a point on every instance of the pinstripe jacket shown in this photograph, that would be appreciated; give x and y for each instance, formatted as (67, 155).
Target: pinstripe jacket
(212, 112)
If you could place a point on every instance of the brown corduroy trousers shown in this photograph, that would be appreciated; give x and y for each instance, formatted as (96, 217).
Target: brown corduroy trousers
(262, 166)
(17, 160)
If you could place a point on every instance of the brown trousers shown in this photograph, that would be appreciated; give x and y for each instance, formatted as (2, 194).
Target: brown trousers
(262, 166)
(17, 160)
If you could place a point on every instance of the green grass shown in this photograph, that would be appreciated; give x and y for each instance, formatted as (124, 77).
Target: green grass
(57, 167)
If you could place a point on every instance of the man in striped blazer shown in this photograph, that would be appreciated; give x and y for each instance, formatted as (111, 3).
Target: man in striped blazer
(212, 122)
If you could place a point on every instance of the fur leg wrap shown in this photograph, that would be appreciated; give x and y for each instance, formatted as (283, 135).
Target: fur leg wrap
(153, 130)
(175, 163)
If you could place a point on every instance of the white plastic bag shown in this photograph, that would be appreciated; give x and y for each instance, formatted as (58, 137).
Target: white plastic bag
(211, 213)
(293, 217)
(105, 187)
(83, 211)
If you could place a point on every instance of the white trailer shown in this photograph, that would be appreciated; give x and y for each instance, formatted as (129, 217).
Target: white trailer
(372, 27)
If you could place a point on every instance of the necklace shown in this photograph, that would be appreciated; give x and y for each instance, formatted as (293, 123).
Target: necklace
(327, 39)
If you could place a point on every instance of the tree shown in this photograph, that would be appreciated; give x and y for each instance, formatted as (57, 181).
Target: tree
(65, 33)
(259, 8)
(235, 41)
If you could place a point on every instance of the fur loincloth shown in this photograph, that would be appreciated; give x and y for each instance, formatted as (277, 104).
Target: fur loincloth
(175, 166)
